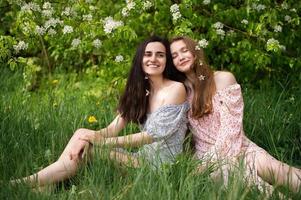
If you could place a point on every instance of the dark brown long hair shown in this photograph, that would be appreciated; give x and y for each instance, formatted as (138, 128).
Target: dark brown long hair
(133, 103)
(203, 90)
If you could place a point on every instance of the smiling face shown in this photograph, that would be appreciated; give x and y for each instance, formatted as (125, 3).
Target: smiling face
(154, 59)
(183, 58)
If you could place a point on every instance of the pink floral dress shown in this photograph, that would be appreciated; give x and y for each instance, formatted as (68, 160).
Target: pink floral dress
(219, 136)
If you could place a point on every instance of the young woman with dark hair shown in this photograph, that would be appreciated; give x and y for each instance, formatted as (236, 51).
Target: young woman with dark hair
(150, 99)
(216, 121)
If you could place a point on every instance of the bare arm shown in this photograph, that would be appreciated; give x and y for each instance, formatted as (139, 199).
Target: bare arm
(133, 140)
(113, 128)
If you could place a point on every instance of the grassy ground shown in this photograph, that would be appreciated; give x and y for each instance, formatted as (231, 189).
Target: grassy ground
(35, 127)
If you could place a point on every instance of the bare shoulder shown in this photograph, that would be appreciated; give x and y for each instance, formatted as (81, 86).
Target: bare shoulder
(175, 93)
(223, 79)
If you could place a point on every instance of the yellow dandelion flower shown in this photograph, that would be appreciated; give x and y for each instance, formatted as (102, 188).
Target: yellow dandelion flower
(92, 119)
(55, 81)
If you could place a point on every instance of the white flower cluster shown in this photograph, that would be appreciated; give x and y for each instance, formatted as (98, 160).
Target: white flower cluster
(130, 5)
(49, 26)
(40, 30)
(175, 11)
(274, 45)
(75, 42)
(277, 28)
(119, 58)
(51, 32)
(206, 2)
(146, 5)
(110, 24)
(31, 6)
(53, 22)
(203, 43)
(87, 17)
(47, 10)
(218, 25)
(219, 29)
(287, 18)
(68, 12)
(20, 46)
(67, 29)
(97, 43)
(244, 21)
(258, 7)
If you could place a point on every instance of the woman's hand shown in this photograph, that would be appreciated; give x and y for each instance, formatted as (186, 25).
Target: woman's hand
(78, 149)
(92, 138)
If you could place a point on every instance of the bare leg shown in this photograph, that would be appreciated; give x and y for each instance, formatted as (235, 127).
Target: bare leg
(60, 170)
(276, 172)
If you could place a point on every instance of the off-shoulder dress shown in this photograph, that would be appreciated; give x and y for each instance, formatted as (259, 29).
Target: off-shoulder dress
(219, 136)
(167, 125)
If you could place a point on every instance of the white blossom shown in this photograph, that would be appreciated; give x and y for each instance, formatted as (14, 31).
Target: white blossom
(293, 10)
(67, 29)
(244, 21)
(147, 5)
(92, 7)
(47, 6)
(52, 22)
(47, 13)
(51, 32)
(75, 42)
(174, 8)
(175, 11)
(125, 12)
(97, 43)
(87, 17)
(176, 16)
(272, 41)
(220, 32)
(272, 45)
(277, 28)
(20, 46)
(218, 25)
(40, 30)
(131, 5)
(258, 7)
(201, 44)
(110, 24)
(119, 58)
(287, 18)
(31, 6)
(67, 11)
(206, 2)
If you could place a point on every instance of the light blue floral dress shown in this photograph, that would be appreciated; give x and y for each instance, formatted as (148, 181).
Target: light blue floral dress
(167, 125)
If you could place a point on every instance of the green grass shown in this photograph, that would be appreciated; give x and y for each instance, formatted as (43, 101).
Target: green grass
(35, 127)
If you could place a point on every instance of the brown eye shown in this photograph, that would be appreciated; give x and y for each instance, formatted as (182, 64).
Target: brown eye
(147, 54)
(161, 55)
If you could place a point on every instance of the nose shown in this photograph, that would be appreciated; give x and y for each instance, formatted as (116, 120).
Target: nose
(153, 58)
(181, 57)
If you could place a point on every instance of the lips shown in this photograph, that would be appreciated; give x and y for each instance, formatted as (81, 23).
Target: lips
(152, 65)
(183, 63)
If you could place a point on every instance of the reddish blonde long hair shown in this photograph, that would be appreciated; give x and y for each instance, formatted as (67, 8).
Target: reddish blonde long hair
(203, 89)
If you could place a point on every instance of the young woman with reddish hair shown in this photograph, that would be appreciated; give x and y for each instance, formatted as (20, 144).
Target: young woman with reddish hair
(216, 121)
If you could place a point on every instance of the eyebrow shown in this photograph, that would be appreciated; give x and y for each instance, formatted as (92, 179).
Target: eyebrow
(155, 52)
